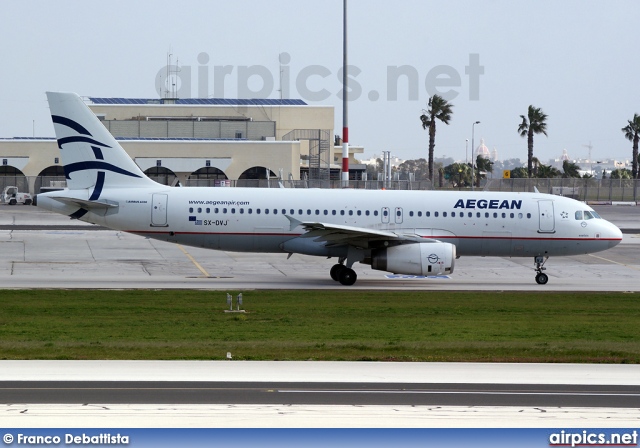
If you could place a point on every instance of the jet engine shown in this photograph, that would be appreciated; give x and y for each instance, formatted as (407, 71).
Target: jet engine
(415, 259)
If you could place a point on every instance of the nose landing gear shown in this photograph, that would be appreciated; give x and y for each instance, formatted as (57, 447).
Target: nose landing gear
(541, 277)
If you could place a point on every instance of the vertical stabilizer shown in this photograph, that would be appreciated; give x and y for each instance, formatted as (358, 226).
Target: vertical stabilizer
(92, 158)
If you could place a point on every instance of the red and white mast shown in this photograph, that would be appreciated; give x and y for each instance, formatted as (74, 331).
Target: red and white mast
(345, 121)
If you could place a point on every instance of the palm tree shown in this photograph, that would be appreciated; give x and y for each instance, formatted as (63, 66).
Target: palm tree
(548, 172)
(536, 124)
(483, 166)
(632, 133)
(570, 169)
(439, 109)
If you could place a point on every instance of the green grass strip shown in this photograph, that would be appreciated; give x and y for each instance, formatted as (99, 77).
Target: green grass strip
(321, 325)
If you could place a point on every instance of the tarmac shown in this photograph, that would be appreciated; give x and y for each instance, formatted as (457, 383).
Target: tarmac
(46, 250)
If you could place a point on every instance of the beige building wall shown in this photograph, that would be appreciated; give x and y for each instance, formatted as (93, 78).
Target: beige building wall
(182, 157)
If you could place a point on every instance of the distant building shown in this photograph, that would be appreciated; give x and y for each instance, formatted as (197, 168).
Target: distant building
(482, 150)
(196, 141)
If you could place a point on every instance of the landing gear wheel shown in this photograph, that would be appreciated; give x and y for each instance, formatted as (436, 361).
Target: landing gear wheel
(347, 276)
(335, 271)
(542, 279)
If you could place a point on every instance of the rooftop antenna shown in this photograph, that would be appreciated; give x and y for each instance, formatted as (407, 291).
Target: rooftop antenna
(590, 147)
(171, 84)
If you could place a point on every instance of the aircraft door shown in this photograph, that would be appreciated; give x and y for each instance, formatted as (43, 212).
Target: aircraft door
(385, 215)
(547, 220)
(159, 210)
(398, 215)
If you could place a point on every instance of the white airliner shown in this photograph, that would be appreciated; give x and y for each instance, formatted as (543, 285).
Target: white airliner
(417, 233)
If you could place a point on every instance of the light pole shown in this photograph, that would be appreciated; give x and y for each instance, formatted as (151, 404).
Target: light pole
(473, 162)
(466, 151)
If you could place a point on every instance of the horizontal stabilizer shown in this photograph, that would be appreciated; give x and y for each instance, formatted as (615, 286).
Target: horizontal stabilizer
(86, 204)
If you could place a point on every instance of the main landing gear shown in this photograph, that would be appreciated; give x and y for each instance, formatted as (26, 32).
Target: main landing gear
(541, 277)
(343, 274)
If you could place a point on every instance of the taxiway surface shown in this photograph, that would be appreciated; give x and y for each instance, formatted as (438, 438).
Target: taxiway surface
(45, 250)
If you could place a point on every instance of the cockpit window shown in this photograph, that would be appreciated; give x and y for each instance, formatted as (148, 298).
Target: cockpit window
(579, 215)
(595, 215)
(588, 215)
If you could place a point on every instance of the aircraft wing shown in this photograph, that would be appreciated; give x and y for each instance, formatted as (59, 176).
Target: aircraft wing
(336, 234)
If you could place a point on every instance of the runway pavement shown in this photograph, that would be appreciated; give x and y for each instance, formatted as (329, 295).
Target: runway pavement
(316, 394)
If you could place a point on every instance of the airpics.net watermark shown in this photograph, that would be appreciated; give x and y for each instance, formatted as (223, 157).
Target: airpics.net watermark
(403, 82)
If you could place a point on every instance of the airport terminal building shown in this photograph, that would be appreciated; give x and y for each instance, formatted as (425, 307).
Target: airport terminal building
(197, 142)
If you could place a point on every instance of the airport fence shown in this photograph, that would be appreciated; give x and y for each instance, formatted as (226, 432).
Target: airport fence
(592, 190)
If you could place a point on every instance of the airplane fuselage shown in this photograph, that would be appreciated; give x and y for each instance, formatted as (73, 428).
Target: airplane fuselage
(258, 220)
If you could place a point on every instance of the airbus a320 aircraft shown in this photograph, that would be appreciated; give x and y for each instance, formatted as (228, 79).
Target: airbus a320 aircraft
(404, 232)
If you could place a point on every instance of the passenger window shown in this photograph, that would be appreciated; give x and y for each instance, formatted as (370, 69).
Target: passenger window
(419, 214)
(435, 214)
(190, 209)
(250, 211)
(410, 213)
(266, 211)
(258, 211)
(444, 214)
(300, 211)
(341, 212)
(478, 214)
(241, 211)
(292, 212)
(470, 215)
(199, 210)
(333, 212)
(427, 214)
(317, 212)
(375, 213)
(224, 210)
(453, 214)
(233, 211)
(359, 212)
(486, 215)
(528, 215)
(326, 212)
(519, 215)
(216, 210)
(579, 215)
(208, 210)
(385, 213)
(366, 212)
(512, 216)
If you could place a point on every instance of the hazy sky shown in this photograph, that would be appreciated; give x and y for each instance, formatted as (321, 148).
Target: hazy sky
(577, 60)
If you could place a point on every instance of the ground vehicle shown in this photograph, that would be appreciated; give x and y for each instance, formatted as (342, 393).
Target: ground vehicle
(12, 196)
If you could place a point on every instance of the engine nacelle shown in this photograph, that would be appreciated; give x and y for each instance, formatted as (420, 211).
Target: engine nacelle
(416, 259)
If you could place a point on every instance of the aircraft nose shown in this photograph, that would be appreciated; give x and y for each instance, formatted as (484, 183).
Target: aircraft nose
(614, 235)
